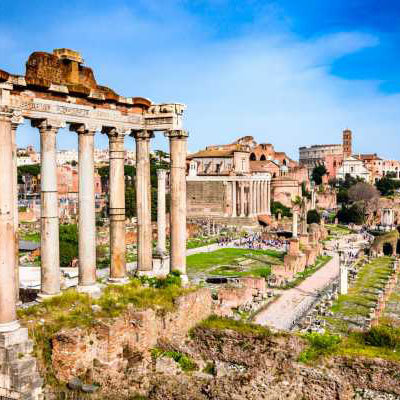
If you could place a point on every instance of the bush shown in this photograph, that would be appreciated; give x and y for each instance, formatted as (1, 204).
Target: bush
(277, 207)
(319, 345)
(353, 214)
(383, 336)
(313, 217)
(184, 361)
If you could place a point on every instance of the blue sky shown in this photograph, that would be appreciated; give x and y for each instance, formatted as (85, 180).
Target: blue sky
(288, 72)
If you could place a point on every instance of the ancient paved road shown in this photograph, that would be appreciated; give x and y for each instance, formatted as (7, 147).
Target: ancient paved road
(294, 302)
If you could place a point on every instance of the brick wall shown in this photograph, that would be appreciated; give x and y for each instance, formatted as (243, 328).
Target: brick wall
(205, 199)
(112, 344)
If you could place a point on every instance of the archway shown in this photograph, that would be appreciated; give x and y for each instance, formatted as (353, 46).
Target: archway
(387, 249)
(263, 158)
(253, 157)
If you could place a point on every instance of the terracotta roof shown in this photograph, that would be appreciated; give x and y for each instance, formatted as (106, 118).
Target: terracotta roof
(214, 153)
(265, 219)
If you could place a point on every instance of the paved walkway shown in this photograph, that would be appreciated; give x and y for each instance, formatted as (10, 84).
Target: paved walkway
(293, 303)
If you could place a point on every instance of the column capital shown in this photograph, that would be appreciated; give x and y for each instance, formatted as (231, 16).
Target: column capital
(161, 173)
(84, 129)
(48, 124)
(143, 134)
(176, 133)
(10, 114)
(114, 132)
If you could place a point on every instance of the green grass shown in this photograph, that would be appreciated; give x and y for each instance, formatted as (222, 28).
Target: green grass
(320, 262)
(222, 324)
(196, 243)
(361, 295)
(30, 236)
(184, 361)
(226, 262)
(338, 230)
(319, 345)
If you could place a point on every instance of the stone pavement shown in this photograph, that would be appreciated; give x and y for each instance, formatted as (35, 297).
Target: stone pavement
(295, 302)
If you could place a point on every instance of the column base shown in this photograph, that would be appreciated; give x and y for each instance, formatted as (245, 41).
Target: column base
(42, 296)
(117, 281)
(9, 327)
(92, 290)
(185, 280)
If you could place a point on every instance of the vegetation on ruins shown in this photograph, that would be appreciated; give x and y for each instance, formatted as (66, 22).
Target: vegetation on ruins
(353, 214)
(319, 345)
(72, 309)
(183, 360)
(387, 186)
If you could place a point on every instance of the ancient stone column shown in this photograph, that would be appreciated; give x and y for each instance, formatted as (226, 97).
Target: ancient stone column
(143, 200)
(117, 206)
(263, 202)
(313, 199)
(87, 210)
(15, 121)
(161, 210)
(178, 152)
(251, 210)
(8, 316)
(234, 200)
(269, 197)
(258, 197)
(294, 226)
(343, 280)
(49, 240)
(241, 199)
(255, 211)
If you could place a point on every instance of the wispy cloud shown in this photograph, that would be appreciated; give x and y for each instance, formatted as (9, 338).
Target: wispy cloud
(268, 83)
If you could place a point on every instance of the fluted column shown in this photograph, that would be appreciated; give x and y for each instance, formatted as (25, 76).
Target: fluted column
(178, 152)
(87, 210)
(143, 200)
(258, 197)
(234, 200)
(161, 210)
(263, 202)
(8, 315)
(269, 197)
(49, 240)
(241, 199)
(117, 207)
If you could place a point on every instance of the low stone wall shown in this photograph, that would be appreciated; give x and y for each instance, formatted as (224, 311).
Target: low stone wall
(106, 350)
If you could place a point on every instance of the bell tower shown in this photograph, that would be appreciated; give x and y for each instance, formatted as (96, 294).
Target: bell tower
(347, 143)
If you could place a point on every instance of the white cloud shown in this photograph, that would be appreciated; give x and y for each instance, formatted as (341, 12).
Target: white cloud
(274, 86)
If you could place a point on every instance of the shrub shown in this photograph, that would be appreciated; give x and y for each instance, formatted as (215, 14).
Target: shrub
(313, 217)
(184, 361)
(383, 336)
(277, 207)
(319, 345)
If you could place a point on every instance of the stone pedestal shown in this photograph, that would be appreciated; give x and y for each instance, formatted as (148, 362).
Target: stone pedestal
(160, 267)
(19, 378)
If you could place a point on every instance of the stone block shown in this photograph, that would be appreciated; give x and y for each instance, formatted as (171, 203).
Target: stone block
(18, 336)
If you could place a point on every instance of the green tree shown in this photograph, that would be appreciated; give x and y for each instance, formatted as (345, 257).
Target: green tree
(68, 235)
(318, 172)
(353, 214)
(387, 186)
(130, 201)
(277, 207)
(313, 217)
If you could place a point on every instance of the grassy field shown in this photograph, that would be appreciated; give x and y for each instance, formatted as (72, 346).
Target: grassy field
(338, 230)
(30, 236)
(361, 295)
(234, 262)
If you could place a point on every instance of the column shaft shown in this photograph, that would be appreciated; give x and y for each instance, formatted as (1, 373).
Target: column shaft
(49, 241)
(178, 150)
(258, 198)
(234, 200)
(251, 210)
(15, 197)
(87, 211)
(8, 316)
(255, 212)
(242, 199)
(269, 198)
(143, 201)
(117, 207)
(161, 210)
